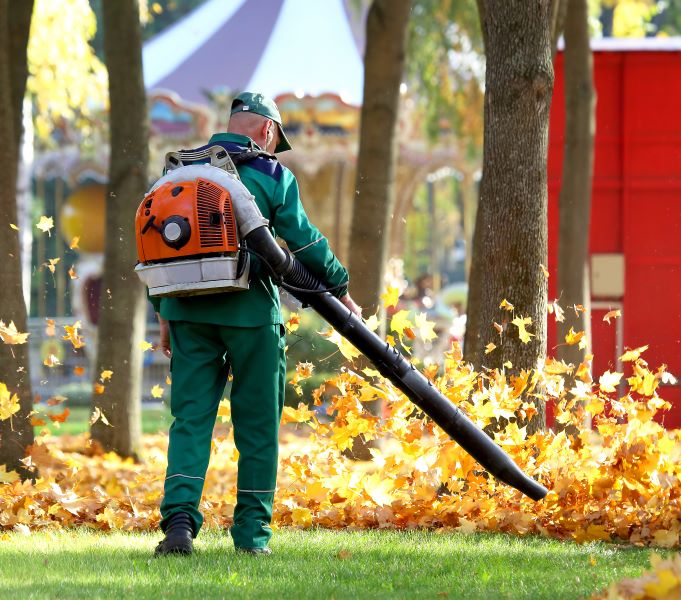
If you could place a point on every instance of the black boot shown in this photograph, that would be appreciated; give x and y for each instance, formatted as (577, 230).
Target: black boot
(179, 534)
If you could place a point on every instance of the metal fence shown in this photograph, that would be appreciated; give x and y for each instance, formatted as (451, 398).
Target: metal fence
(72, 372)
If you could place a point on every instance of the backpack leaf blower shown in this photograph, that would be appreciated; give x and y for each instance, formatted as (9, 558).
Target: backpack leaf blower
(195, 230)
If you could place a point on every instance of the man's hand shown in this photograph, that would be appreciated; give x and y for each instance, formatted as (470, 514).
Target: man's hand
(165, 335)
(350, 303)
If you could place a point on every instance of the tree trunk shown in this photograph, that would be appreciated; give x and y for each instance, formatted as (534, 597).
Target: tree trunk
(122, 316)
(575, 192)
(510, 240)
(16, 433)
(376, 162)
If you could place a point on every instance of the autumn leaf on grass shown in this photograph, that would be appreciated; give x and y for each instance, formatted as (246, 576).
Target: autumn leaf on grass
(60, 417)
(632, 355)
(608, 381)
(293, 322)
(425, 327)
(74, 243)
(157, 391)
(506, 305)
(523, 334)
(10, 335)
(390, 296)
(105, 375)
(73, 335)
(378, 488)
(302, 414)
(7, 476)
(490, 348)
(345, 347)
(400, 323)
(98, 415)
(9, 403)
(45, 224)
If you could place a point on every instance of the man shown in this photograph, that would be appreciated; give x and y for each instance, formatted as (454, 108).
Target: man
(207, 335)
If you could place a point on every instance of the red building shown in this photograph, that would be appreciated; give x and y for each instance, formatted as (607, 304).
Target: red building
(635, 239)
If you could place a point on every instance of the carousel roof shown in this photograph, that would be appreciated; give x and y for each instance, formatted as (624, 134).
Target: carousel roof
(271, 46)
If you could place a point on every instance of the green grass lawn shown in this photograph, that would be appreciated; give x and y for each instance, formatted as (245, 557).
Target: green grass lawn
(153, 421)
(312, 564)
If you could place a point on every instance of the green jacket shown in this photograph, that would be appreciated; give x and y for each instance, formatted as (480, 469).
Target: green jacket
(276, 193)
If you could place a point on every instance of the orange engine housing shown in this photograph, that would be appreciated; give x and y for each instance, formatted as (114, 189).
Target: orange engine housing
(203, 205)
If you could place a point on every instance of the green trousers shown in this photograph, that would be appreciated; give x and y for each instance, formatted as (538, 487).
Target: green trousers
(201, 357)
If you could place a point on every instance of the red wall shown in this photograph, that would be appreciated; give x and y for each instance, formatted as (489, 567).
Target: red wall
(636, 203)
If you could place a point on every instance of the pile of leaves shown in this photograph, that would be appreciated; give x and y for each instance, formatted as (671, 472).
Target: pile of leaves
(617, 480)
(662, 582)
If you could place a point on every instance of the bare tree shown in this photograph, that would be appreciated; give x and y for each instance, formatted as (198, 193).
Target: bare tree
(16, 434)
(575, 192)
(510, 241)
(384, 59)
(122, 317)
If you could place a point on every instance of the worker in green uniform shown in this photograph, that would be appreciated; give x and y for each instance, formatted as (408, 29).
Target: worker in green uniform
(206, 336)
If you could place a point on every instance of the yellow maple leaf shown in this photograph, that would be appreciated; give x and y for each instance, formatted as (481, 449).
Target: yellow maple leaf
(345, 347)
(631, 355)
(45, 224)
(425, 327)
(572, 337)
(372, 323)
(400, 322)
(293, 322)
(379, 489)
(157, 391)
(8, 476)
(73, 336)
(390, 296)
(523, 334)
(144, 345)
(51, 264)
(74, 243)
(10, 335)
(506, 305)
(9, 403)
(608, 381)
(490, 348)
(301, 517)
(302, 414)
(105, 375)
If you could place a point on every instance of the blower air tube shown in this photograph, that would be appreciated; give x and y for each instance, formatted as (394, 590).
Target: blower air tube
(393, 366)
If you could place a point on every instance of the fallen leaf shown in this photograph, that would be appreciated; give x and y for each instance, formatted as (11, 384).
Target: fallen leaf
(105, 375)
(144, 345)
(631, 355)
(10, 335)
(506, 305)
(391, 296)
(72, 273)
(60, 417)
(490, 348)
(523, 334)
(9, 403)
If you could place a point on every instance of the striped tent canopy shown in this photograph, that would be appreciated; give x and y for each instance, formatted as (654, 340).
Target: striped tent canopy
(299, 47)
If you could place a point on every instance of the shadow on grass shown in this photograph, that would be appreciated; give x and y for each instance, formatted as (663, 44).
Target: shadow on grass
(314, 564)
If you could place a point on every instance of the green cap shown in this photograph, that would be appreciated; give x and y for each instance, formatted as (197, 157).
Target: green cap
(260, 105)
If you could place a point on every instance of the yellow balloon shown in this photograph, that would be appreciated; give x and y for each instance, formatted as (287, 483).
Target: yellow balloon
(83, 215)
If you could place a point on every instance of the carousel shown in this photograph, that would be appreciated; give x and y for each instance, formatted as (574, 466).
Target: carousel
(192, 70)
